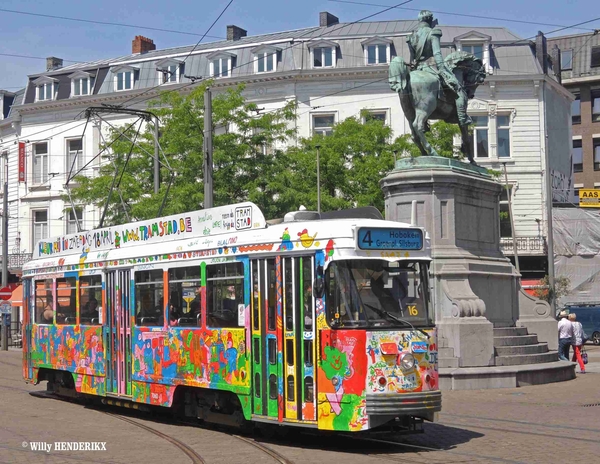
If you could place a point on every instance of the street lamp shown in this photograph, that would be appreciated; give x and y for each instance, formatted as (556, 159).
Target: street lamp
(318, 180)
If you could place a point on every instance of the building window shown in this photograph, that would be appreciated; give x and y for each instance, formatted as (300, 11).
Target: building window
(474, 49)
(376, 116)
(596, 154)
(40, 225)
(595, 105)
(323, 57)
(74, 154)
(503, 129)
(220, 67)
(479, 138)
(577, 156)
(169, 74)
(149, 298)
(82, 86)
(124, 80)
(224, 292)
(72, 218)
(566, 59)
(40, 162)
(323, 124)
(266, 62)
(505, 227)
(46, 91)
(595, 57)
(377, 54)
(576, 110)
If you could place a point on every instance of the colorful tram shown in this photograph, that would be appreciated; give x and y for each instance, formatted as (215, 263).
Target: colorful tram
(312, 322)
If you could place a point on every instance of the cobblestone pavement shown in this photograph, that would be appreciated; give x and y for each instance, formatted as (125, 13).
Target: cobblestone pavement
(558, 422)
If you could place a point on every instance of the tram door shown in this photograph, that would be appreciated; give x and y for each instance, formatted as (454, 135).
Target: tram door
(283, 338)
(118, 326)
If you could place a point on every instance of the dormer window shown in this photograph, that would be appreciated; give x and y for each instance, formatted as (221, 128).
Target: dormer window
(377, 50)
(46, 88)
(169, 71)
(221, 64)
(477, 44)
(265, 59)
(82, 83)
(474, 49)
(124, 78)
(323, 54)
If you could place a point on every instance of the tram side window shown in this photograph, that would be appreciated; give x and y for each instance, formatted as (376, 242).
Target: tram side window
(90, 300)
(184, 296)
(149, 298)
(224, 292)
(44, 301)
(66, 301)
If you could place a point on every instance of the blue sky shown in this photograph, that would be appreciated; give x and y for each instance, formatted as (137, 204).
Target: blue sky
(41, 37)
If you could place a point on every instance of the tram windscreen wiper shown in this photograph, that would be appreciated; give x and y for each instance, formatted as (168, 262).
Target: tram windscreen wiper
(383, 312)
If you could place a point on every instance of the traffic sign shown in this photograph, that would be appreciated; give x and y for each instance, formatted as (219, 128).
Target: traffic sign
(5, 307)
(5, 293)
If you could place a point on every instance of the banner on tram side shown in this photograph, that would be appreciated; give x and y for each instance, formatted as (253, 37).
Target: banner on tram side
(589, 198)
(213, 221)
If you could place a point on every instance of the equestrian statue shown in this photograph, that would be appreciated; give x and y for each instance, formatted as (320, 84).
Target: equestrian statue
(439, 91)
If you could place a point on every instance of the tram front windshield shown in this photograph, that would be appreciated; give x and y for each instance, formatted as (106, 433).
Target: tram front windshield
(375, 293)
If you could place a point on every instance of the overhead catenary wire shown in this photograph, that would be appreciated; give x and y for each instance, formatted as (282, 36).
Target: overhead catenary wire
(309, 31)
(104, 23)
(464, 15)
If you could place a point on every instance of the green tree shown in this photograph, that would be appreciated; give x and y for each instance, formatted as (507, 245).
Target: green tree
(352, 161)
(244, 160)
(562, 287)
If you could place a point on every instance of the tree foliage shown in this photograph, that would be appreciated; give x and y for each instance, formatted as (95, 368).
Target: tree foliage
(243, 168)
(249, 163)
(562, 287)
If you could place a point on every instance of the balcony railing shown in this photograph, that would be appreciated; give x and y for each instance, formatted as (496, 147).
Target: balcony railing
(16, 260)
(528, 245)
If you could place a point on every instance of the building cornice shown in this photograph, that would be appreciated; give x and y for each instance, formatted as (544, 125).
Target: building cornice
(374, 72)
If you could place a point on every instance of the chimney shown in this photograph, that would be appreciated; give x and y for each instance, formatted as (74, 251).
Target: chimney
(555, 54)
(326, 19)
(142, 44)
(541, 51)
(235, 33)
(53, 63)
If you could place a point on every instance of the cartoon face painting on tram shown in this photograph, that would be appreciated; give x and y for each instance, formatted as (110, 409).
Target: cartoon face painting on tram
(321, 323)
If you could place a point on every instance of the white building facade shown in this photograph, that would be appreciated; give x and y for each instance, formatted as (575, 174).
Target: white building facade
(333, 71)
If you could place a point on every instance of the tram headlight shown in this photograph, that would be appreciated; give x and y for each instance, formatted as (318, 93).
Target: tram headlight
(407, 361)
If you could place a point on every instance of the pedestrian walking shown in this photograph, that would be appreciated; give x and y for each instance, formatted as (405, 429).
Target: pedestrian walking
(565, 336)
(578, 341)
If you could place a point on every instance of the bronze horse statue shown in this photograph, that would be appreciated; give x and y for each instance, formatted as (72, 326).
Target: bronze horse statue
(424, 97)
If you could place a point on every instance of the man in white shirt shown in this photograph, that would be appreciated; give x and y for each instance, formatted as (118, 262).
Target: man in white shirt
(565, 336)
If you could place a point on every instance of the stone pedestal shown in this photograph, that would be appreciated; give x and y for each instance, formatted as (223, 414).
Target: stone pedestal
(476, 287)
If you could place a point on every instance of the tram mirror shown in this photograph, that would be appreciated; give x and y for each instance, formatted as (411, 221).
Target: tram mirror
(319, 284)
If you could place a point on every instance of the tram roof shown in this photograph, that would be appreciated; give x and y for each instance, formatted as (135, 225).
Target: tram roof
(206, 222)
(210, 232)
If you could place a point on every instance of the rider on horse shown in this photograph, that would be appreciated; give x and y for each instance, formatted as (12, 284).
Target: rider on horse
(424, 43)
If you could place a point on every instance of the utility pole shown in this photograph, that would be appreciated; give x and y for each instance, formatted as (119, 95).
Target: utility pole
(208, 150)
(512, 222)
(156, 157)
(549, 200)
(318, 147)
(5, 248)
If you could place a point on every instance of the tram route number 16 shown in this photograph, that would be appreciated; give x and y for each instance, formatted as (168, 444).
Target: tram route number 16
(412, 310)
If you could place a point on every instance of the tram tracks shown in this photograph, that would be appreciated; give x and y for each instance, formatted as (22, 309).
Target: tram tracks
(187, 450)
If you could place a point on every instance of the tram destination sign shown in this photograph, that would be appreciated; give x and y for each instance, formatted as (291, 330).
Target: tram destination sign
(371, 238)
